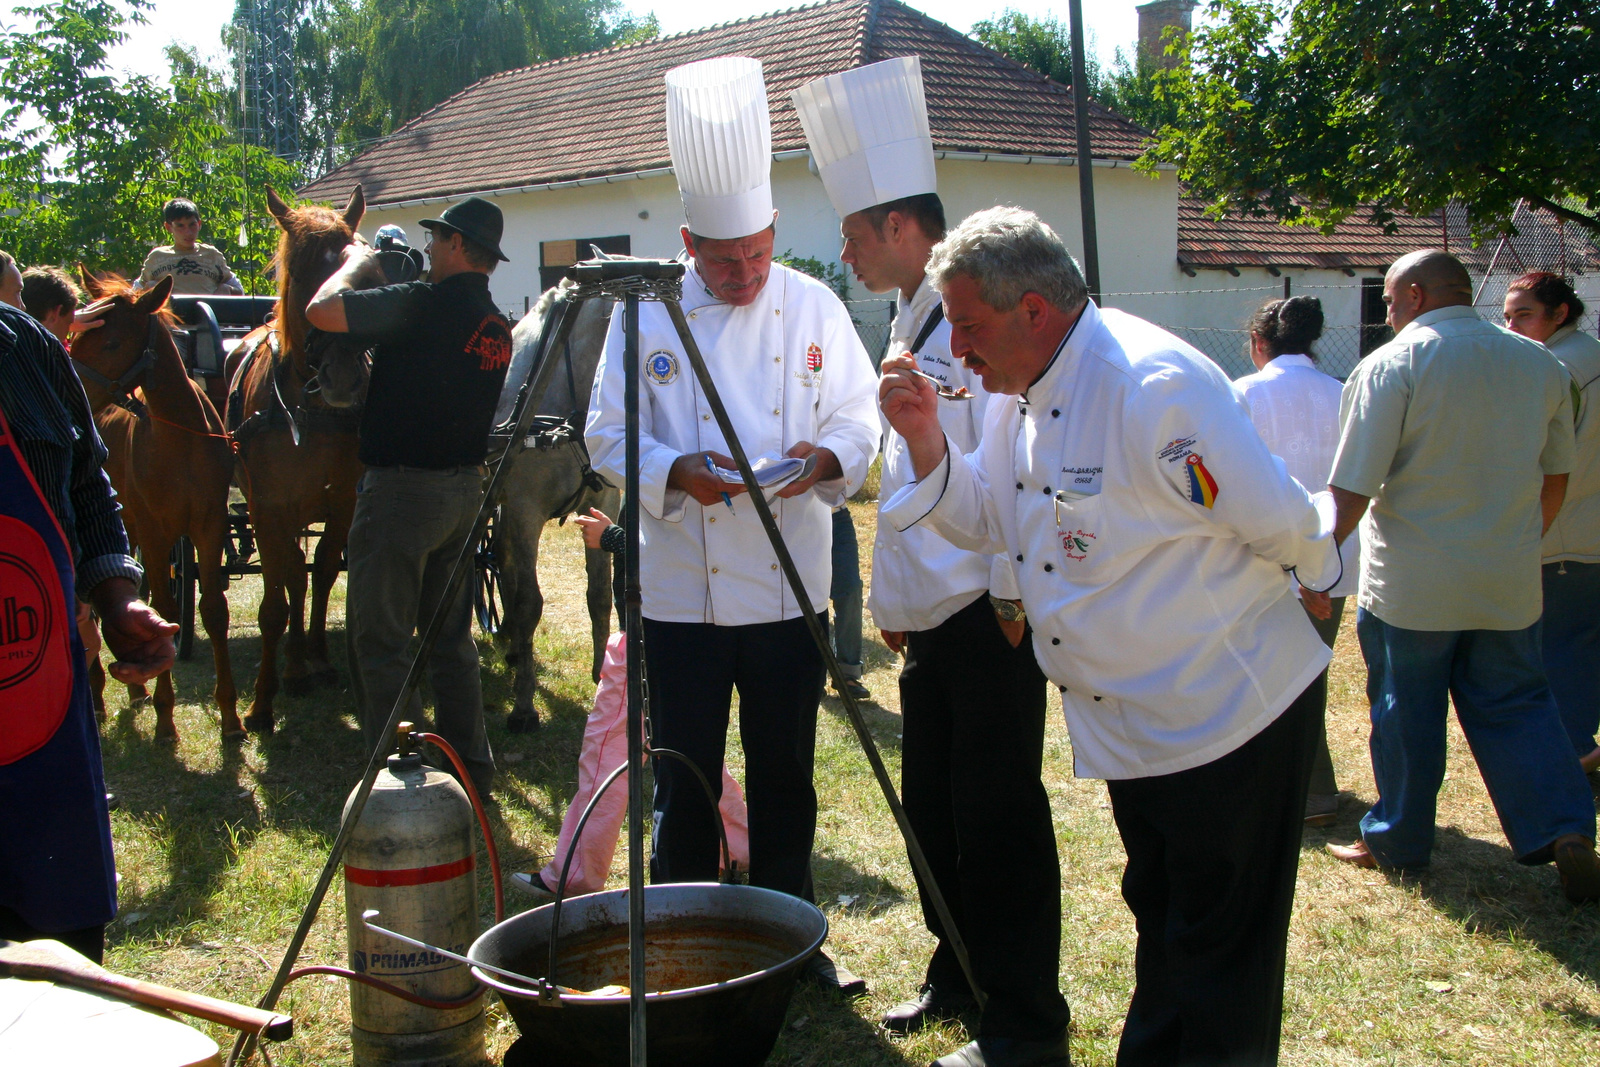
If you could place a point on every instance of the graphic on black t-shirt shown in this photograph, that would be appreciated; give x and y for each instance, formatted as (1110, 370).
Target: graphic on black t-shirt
(491, 343)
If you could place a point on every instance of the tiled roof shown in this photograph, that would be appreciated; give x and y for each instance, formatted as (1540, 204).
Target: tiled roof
(1542, 242)
(1205, 243)
(603, 113)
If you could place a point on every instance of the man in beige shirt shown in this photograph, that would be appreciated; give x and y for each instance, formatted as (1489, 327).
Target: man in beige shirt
(196, 269)
(1459, 435)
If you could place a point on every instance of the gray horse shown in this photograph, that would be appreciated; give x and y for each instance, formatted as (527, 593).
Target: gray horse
(550, 480)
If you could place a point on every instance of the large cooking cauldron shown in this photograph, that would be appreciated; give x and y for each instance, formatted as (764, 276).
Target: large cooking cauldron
(720, 964)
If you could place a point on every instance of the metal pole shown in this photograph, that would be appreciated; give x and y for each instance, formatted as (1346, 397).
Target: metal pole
(758, 499)
(1080, 114)
(631, 603)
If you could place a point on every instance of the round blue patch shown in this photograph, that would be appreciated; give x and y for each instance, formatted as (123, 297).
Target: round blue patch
(662, 367)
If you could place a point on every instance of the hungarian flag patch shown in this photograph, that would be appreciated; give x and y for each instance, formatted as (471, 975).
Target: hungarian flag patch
(814, 357)
(1202, 487)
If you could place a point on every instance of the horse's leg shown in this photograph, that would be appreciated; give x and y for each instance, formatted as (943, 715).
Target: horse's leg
(296, 675)
(522, 614)
(325, 572)
(278, 550)
(138, 695)
(97, 689)
(598, 565)
(158, 551)
(214, 616)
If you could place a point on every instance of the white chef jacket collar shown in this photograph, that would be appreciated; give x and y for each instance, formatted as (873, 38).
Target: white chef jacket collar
(1428, 318)
(1083, 328)
(1561, 335)
(920, 304)
(1288, 361)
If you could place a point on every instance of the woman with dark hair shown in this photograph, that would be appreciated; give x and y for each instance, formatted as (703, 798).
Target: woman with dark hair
(1295, 408)
(1544, 307)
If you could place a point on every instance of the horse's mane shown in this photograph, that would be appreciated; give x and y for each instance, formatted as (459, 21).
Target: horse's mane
(302, 263)
(114, 286)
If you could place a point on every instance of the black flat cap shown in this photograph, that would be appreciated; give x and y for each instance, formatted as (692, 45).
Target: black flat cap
(476, 219)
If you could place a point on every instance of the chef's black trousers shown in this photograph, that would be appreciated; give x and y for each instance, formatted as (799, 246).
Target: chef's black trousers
(692, 671)
(974, 710)
(1212, 856)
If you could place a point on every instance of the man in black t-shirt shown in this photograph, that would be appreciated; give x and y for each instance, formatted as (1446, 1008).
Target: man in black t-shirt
(440, 356)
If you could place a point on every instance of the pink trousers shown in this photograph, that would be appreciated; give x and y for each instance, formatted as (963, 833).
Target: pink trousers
(605, 747)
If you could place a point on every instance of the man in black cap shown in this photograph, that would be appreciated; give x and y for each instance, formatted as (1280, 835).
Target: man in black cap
(440, 356)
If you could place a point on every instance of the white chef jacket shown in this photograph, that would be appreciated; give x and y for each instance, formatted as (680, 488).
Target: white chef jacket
(789, 368)
(1575, 534)
(1155, 588)
(918, 578)
(1295, 408)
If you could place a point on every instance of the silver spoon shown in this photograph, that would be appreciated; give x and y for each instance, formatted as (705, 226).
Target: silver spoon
(944, 391)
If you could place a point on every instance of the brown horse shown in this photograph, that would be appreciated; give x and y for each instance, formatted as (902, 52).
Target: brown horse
(170, 461)
(295, 421)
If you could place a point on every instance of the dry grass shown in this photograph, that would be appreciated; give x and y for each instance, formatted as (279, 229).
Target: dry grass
(1480, 962)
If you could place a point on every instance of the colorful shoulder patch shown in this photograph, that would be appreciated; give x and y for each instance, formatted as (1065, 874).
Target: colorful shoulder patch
(662, 367)
(1202, 487)
(814, 357)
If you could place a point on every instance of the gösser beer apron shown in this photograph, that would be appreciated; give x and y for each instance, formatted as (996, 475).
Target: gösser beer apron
(56, 867)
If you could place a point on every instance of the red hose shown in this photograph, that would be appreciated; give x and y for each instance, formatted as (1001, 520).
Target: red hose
(392, 990)
(483, 820)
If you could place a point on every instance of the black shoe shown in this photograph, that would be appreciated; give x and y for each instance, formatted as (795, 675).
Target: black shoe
(822, 972)
(855, 688)
(1009, 1052)
(931, 1005)
(113, 802)
(533, 884)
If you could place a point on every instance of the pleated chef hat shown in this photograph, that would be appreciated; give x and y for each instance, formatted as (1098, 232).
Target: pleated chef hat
(720, 138)
(868, 132)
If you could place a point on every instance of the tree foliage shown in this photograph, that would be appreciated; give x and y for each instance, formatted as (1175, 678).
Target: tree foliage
(364, 68)
(1312, 109)
(1041, 44)
(87, 159)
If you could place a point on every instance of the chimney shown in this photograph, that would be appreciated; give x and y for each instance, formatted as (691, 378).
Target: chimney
(1154, 18)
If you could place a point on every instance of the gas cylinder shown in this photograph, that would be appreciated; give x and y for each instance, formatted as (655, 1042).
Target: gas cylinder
(412, 858)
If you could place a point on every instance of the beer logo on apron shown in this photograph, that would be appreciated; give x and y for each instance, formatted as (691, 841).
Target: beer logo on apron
(662, 366)
(814, 357)
(25, 620)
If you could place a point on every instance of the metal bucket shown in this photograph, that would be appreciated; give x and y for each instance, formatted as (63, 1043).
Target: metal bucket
(721, 963)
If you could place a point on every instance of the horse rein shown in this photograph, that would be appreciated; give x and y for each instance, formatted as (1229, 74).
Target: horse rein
(121, 388)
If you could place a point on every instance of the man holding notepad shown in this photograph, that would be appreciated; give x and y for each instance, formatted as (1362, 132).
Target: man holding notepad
(718, 612)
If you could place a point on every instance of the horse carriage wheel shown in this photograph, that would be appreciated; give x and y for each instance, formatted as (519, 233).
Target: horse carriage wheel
(183, 575)
(486, 580)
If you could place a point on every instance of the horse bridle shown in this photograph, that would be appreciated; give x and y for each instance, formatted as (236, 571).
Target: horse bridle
(121, 388)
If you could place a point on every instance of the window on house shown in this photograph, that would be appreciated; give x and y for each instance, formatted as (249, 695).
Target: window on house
(1375, 330)
(556, 256)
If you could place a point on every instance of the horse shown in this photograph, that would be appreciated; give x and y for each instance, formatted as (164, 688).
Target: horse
(169, 461)
(295, 414)
(551, 479)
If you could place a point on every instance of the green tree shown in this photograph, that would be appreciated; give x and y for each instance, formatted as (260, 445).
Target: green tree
(1141, 90)
(364, 68)
(1314, 109)
(1042, 44)
(87, 159)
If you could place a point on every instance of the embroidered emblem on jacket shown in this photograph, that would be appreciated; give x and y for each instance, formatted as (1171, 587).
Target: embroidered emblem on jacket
(1075, 543)
(662, 366)
(814, 357)
(1176, 450)
(1202, 487)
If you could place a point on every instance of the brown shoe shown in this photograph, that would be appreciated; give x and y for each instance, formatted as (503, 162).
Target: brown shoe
(1322, 809)
(1579, 867)
(1355, 854)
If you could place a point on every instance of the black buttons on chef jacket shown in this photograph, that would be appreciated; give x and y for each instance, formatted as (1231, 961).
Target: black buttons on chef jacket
(1097, 698)
(1055, 413)
(1047, 490)
(1049, 567)
(1019, 487)
(1057, 641)
(1019, 558)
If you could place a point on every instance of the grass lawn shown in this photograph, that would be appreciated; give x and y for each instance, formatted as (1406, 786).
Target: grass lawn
(1482, 961)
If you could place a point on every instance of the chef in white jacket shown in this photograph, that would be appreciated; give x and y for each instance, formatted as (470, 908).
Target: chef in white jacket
(1150, 529)
(718, 613)
(972, 696)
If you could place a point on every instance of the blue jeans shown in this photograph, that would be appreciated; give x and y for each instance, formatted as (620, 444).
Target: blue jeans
(1505, 709)
(1571, 645)
(845, 592)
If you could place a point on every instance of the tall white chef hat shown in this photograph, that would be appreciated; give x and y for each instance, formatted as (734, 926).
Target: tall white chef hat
(868, 132)
(720, 138)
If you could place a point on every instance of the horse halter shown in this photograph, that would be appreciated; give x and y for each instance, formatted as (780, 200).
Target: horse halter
(121, 388)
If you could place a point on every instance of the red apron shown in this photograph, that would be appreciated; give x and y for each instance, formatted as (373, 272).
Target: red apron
(56, 866)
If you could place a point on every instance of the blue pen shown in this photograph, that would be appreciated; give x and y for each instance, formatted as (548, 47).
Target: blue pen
(712, 467)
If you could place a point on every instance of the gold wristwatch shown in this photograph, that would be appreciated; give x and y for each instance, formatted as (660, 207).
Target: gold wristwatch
(1007, 610)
